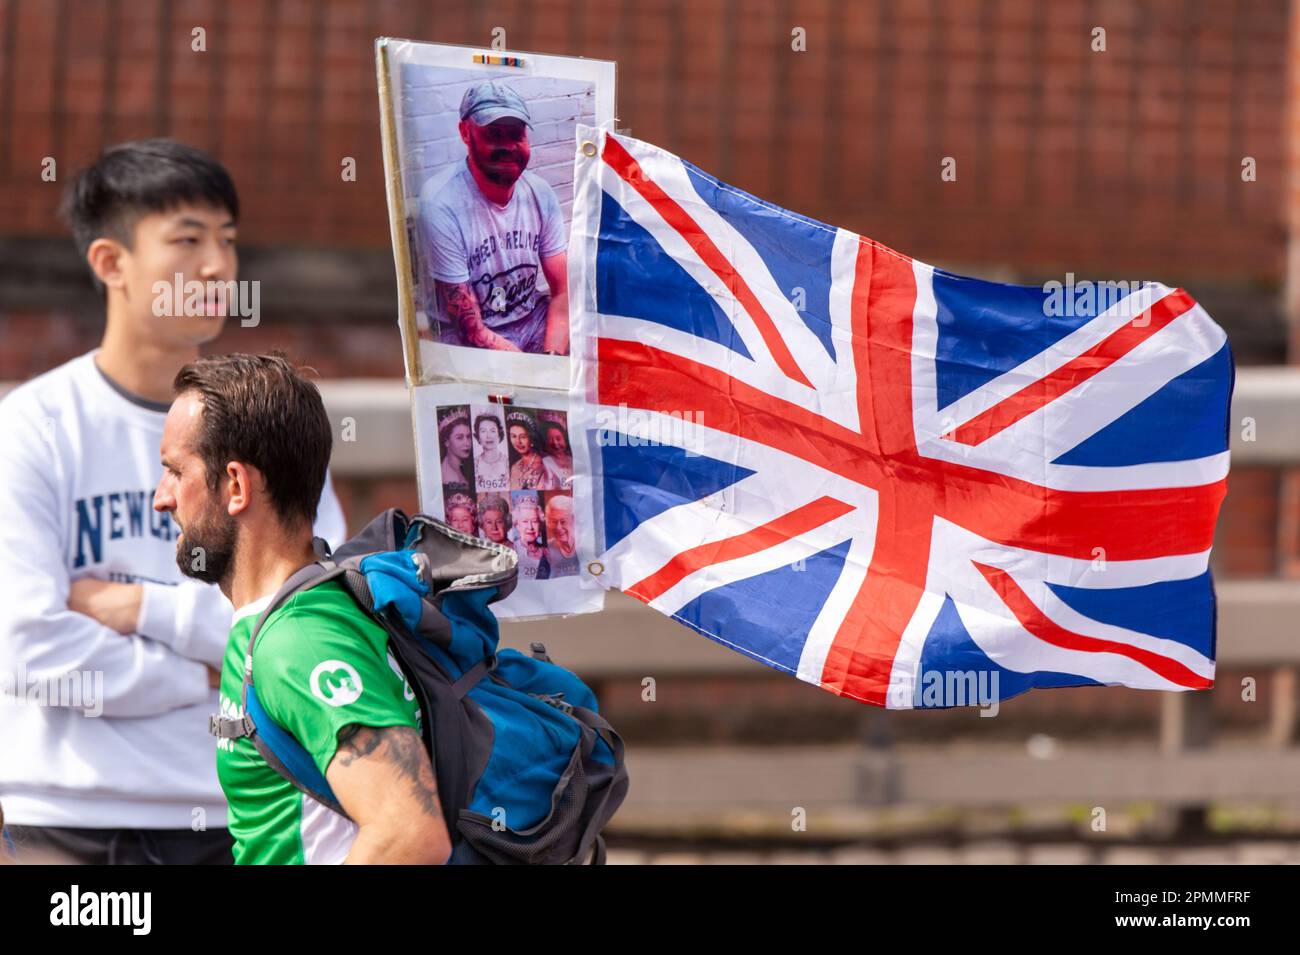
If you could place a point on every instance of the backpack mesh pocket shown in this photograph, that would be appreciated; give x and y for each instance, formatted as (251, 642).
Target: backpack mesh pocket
(555, 839)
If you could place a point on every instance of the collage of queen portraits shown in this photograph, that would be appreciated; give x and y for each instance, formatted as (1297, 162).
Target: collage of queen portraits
(506, 474)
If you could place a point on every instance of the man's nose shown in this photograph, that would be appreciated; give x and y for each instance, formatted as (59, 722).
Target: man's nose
(216, 262)
(162, 501)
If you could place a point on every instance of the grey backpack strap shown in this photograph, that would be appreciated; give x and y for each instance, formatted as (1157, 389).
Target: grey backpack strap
(591, 843)
(304, 578)
(229, 727)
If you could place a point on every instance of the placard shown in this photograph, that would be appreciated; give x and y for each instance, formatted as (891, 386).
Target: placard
(478, 153)
(504, 472)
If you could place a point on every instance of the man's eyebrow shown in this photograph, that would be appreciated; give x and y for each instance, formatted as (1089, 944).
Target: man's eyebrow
(187, 222)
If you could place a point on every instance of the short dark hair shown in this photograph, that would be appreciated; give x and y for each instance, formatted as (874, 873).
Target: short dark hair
(488, 416)
(524, 421)
(260, 410)
(131, 180)
(549, 426)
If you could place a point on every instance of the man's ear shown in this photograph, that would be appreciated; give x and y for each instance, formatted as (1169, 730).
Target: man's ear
(239, 484)
(463, 126)
(105, 259)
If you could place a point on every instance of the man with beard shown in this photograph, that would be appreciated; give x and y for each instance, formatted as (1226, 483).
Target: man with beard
(89, 585)
(244, 452)
(494, 235)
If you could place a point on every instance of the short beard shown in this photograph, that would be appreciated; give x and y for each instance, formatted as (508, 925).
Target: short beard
(501, 178)
(215, 540)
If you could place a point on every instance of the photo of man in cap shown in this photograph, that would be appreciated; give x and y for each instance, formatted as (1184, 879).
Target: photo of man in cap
(493, 235)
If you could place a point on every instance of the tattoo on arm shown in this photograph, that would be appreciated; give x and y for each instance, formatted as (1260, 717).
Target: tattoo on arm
(398, 746)
(460, 306)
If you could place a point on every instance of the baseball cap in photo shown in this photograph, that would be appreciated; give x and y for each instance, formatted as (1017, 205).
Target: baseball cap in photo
(489, 101)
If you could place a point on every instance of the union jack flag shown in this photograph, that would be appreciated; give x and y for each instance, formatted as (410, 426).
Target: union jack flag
(863, 470)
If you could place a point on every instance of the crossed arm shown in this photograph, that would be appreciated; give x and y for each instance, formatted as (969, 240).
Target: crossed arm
(383, 777)
(191, 618)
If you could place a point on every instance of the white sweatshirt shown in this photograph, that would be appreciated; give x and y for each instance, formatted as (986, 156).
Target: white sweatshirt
(100, 729)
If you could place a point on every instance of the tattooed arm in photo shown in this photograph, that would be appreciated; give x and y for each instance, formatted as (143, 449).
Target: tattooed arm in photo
(383, 778)
(458, 305)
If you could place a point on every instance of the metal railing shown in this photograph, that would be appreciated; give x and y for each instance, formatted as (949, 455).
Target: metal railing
(1259, 626)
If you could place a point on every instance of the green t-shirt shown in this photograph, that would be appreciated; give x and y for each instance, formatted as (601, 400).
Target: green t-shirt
(320, 664)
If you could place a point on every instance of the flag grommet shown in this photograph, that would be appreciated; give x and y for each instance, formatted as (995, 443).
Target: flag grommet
(588, 148)
(595, 568)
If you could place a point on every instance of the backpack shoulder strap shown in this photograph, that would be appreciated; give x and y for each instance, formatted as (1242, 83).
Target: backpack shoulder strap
(276, 745)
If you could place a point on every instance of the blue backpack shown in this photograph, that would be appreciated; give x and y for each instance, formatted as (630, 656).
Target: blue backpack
(528, 771)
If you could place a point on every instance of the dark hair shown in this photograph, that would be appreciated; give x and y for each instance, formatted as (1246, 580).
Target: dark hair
(132, 180)
(523, 421)
(548, 425)
(488, 416)
(444, 433)
(466, 466)
(260, 410)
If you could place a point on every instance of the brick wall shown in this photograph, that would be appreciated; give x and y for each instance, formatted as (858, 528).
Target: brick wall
(1124, 163)
(1126, 159)
(1288, 536)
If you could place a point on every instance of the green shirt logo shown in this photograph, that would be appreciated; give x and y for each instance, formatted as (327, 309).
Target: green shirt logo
(336, 682)
(311, 700)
